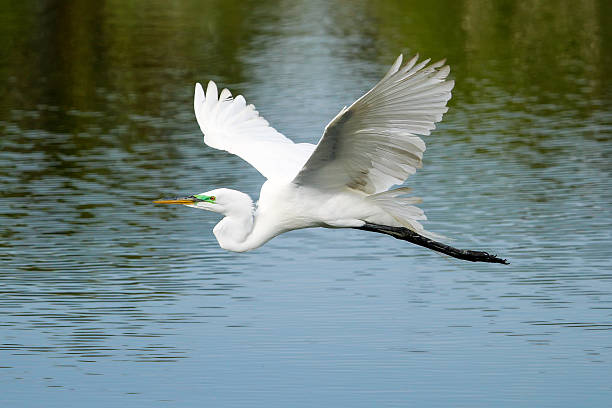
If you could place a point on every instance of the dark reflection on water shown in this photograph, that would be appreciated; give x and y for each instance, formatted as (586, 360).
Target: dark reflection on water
(96, 121)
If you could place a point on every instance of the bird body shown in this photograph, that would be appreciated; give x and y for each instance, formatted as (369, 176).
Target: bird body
(342, 182)
(284, 207)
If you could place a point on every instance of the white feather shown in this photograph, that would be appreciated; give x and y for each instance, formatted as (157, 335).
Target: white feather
(230, 124)
(373, 144)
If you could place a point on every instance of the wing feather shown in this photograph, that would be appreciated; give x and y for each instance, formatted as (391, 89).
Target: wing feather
(230, 124)
(373, 144)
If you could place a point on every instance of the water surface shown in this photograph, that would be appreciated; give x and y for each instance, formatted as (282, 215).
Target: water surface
(109, 299)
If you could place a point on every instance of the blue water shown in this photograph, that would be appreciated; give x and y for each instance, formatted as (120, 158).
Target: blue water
(109, 300)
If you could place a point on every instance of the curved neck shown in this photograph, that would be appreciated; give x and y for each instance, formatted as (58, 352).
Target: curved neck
(239, 231)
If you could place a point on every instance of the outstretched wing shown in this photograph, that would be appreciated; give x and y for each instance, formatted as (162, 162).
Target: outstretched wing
(372, 145)
(230, 124)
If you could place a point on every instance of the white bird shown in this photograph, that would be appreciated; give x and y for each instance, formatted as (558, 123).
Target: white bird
(344, 180)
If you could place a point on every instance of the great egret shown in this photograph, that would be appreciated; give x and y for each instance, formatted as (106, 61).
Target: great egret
(344, 180)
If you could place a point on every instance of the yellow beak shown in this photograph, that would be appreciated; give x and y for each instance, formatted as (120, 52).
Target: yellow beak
(178, 200)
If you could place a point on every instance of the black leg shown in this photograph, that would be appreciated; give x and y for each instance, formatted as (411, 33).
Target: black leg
(411, 236)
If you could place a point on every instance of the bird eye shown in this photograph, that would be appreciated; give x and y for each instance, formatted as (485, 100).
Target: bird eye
(213, 198)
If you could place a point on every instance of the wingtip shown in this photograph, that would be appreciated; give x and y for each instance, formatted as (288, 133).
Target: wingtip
(398, 61)
(211, 90)
(225, 94)
(395, 66)
(198, 97)
(411, 63)
(439, 63)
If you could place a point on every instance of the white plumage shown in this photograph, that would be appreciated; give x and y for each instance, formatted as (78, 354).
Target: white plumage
(372, 145)
(343, 181)
(230, 124)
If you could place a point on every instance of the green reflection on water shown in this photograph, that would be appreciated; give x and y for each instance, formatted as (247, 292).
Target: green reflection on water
(70, 54)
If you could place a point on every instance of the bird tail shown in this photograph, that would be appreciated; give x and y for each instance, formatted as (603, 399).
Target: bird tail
(401, 208)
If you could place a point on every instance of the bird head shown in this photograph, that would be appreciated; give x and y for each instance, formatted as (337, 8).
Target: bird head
(221, 200)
